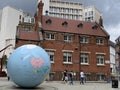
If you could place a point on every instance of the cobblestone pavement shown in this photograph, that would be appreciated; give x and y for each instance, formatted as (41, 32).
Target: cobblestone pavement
(54, 85)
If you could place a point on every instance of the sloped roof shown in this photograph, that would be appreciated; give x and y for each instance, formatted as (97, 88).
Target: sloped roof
(56, 24)
(33, 35)
(112, 44)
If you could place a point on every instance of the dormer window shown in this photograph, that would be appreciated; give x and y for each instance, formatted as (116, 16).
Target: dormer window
(95, 27)
(64, 24)
(80, 25)
(49, 21)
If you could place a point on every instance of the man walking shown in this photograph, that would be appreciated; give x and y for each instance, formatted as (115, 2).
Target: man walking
(81, 77)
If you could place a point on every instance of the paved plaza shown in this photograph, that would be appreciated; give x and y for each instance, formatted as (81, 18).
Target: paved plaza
(54, 85)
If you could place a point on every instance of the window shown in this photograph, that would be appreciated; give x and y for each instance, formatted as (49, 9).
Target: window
(95, 26)
(85, 13)
(67, 57)
(51, 75)
(51, 55)
(32, 20)
(101, 76)
(48, 21)
(20, 17)
(84, 58)
(83, 39)
(100, 59)
(80, 25)
(90, 13)
(100, 41)
(67, 38)
(64, 24)
(50, 36)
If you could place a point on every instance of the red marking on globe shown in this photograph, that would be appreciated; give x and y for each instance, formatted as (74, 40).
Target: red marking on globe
(36, 62)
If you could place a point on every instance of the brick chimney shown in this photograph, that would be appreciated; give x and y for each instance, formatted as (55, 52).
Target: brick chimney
(38, 15)
(101, 21)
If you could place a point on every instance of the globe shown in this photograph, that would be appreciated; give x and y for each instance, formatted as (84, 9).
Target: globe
(28, 66)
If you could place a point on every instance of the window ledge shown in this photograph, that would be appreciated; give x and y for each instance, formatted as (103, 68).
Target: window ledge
(85, 64)
(101, 65)
(67, 63)
(52, 62)
(100, 43)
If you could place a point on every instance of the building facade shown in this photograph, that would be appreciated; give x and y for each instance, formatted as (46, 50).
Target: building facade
(9, 20)
(71, 10)
(112, 58)
(8, 30)
(92, 14)
(72, 45)
(68, 10)
(117, 55)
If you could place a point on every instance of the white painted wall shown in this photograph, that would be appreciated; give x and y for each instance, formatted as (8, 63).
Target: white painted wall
(9, 22)
(112, 59)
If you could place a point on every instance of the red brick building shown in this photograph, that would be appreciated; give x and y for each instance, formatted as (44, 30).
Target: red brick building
(73, 45)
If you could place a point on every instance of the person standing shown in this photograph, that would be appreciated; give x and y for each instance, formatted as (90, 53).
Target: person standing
(65, 76)
(81, 77)
(71, 77)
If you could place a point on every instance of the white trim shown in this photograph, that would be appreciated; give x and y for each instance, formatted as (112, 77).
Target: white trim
(85, 52)
(85, 64)
(67, 63)
(51, 61)
(51, 49)
(100, 64)
(67, 51)
(101, 53)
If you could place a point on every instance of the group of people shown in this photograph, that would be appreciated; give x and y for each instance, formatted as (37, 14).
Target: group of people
(69, 76)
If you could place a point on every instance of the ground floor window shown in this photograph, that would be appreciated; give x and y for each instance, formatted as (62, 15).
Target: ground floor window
(101, 77)
(51, 75)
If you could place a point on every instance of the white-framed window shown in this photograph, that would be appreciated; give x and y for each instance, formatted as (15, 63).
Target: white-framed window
(90, 13)
(50, 36)
(83, 39)
(51, 55)
(84, 58)
(67, 57)
(68, 38)
(100, 59)
(100, 41)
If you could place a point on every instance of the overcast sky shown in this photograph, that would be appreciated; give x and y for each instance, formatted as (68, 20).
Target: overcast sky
(110, 10)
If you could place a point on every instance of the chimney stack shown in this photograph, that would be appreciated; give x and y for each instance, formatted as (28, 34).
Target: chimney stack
(38, 16)
(101, 21)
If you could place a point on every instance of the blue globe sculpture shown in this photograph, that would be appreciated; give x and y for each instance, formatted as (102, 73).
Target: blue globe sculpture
(28, 66)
